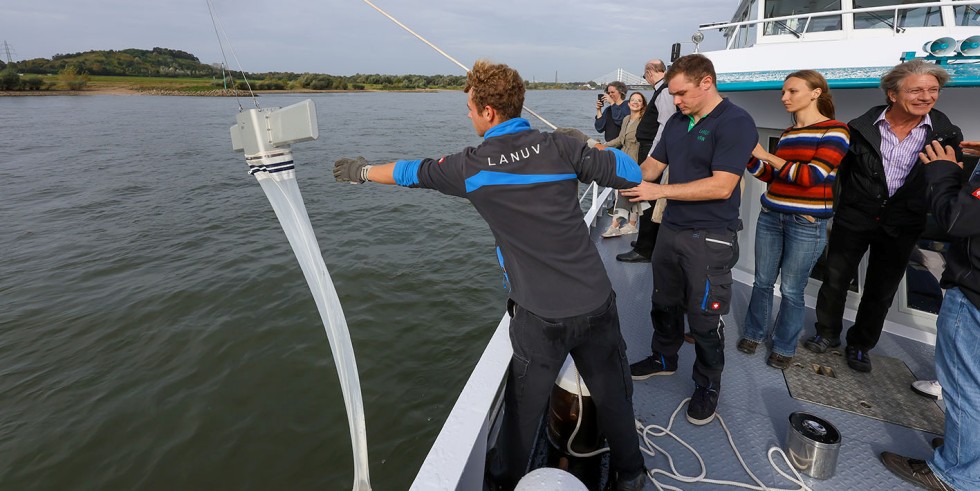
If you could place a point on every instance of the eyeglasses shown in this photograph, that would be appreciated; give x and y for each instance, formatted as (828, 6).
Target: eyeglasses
(919, 91)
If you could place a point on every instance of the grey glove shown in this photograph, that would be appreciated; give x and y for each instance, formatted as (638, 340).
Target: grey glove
(351, 170)
(572, 132)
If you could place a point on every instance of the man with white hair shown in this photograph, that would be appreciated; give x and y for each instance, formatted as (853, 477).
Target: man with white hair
(648, 133)
(880, 205)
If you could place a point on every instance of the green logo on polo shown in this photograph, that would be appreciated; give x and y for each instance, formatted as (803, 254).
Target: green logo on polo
(702, 134)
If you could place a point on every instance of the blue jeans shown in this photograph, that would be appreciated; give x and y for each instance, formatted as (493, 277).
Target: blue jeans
(787, 246)
(957, 462)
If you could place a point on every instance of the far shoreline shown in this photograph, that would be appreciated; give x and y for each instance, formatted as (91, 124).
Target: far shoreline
(122, 91)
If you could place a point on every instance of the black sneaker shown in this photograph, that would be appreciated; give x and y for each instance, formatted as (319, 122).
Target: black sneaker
(820, 344)
(858, 359)
(701, 408)
(632, 256)
(747, 346)
(914, 471)
(655, 364)
(779, 361)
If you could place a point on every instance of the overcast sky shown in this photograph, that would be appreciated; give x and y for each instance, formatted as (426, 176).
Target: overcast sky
(580, 40)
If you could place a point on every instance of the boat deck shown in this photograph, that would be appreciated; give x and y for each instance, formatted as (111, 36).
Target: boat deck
(755, 402)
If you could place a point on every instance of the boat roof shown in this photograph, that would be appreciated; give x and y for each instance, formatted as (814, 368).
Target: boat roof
(780, 35)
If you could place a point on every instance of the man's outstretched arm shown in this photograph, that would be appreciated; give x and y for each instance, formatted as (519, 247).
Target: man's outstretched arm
(358, 170)
(652, 168)
(720, 185)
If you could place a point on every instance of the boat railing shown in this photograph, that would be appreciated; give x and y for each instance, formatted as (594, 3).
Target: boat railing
(799, 32)
(599, 196)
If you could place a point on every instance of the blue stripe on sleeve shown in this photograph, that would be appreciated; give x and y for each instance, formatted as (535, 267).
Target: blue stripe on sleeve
(488, 178)
(406, 172)
(626, 167)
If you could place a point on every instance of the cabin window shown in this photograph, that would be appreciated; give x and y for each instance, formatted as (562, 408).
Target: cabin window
(885, 19)
(744, 35)
(967, 15)
(803, 23)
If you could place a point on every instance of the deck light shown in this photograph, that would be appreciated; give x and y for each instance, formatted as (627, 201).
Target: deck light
(969, 46)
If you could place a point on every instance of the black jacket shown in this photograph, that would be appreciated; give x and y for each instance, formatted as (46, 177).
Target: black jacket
(956, 206)
(525, 184)
(646, 131)
(861, 192)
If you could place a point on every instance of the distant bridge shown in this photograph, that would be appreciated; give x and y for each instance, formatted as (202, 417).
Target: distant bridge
(632, 81)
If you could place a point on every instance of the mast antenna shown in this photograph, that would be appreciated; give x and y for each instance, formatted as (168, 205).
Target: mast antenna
(6, 49)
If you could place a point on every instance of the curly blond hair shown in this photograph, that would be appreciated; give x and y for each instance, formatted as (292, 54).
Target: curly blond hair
(498, 86)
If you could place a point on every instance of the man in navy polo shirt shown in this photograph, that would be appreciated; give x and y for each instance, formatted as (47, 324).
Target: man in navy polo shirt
(706, 144)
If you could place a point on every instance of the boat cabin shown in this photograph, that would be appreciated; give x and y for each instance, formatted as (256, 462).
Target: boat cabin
(780, 21)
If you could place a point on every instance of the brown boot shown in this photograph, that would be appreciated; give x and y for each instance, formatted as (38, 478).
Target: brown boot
(914, 471)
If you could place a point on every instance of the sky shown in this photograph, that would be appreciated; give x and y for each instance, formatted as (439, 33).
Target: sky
(578, 41)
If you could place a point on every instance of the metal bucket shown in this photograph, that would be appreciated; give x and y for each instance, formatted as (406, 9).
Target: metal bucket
(812, 444)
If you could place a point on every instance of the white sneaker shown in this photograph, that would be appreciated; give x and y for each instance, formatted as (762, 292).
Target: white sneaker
(928, 388)
(628, 229)
(612, 231)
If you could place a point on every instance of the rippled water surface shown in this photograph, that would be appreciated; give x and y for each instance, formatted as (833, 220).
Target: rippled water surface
(156, 331)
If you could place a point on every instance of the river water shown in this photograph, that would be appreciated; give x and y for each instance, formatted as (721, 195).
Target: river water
(156, 331)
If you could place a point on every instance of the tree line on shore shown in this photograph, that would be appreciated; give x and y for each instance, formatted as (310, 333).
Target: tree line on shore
(72, 71)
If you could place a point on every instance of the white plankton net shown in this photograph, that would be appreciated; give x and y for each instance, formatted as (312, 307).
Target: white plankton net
(271, 162)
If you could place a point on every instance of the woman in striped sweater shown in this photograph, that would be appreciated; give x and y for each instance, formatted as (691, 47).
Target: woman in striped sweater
(792, 229)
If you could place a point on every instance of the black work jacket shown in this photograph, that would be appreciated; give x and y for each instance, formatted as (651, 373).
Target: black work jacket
(861, 192)
(955, 203)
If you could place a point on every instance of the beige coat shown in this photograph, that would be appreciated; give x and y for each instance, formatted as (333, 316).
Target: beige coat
(658, 209)
(627, 139)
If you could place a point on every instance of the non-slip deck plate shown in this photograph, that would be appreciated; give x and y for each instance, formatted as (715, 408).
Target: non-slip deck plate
(883, 394)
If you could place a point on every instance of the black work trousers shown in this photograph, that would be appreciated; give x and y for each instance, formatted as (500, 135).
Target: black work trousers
(692, 274)
(887, 261)
(646, 238)
(540, 348)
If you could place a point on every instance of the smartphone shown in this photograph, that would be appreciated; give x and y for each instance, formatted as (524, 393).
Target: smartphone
(600, 97)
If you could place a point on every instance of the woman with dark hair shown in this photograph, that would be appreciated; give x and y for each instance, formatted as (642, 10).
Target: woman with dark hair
(624, 212)
(792, 228)
(609, 121)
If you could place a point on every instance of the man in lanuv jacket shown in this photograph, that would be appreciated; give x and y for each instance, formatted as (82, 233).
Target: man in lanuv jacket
(880, 206)
(524, 183)
(955, 203)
